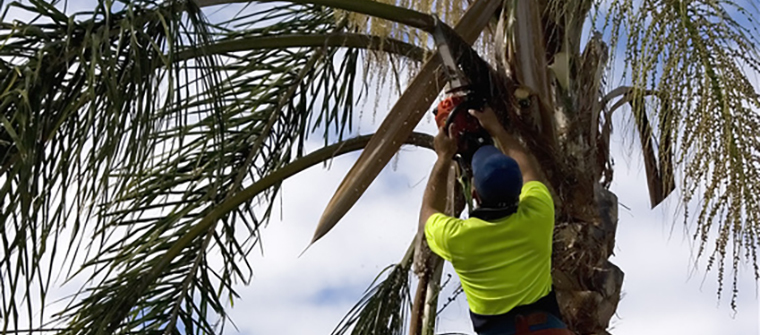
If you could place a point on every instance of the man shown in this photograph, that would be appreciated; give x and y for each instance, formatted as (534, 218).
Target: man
(502, 253)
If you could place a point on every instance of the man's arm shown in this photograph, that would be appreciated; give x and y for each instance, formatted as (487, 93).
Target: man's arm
(434, 199)
(509, 144)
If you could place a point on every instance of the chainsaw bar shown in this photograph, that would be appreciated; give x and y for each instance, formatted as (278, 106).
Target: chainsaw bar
(463, 96)
(457, 80)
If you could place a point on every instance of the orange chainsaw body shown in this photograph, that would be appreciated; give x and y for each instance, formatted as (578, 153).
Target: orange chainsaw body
(470, 135)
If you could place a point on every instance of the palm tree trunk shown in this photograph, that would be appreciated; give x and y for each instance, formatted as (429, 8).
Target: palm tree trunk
(588, 285)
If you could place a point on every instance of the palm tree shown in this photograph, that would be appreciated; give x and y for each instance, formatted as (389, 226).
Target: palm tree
(139, 137)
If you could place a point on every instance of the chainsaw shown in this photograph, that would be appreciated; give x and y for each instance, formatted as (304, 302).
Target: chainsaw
(460, 98)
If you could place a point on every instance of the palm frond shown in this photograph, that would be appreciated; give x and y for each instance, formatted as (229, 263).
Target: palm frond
(77, 103)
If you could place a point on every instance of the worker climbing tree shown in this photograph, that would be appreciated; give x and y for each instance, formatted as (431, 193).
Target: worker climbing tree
(502, 252)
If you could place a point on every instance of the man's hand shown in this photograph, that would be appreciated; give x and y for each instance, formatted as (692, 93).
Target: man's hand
(509, 144)
(445, 144)
(488, 120)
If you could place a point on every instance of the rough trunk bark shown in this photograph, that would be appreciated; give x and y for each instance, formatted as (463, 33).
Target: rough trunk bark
(588, 285)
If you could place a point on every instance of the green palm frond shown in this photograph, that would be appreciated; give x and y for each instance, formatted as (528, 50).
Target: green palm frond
(151, 118)
(77, 104)
(698, 56)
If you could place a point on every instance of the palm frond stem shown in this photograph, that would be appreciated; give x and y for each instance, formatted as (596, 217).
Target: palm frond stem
(389, 12)
(425, 305)
(349, 40)
(530, 66)
(431, 299)
(659, 174)
(622, 90)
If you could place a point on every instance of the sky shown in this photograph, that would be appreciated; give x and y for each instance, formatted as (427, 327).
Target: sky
(665, 291)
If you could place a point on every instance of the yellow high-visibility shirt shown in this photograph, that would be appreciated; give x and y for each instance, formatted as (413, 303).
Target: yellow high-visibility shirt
(504, 263)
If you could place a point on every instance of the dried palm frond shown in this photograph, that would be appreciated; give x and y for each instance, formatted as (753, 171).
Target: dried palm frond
(401, 120)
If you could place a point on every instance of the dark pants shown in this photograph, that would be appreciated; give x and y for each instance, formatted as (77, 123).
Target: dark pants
(539, 318)
(537, 323)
